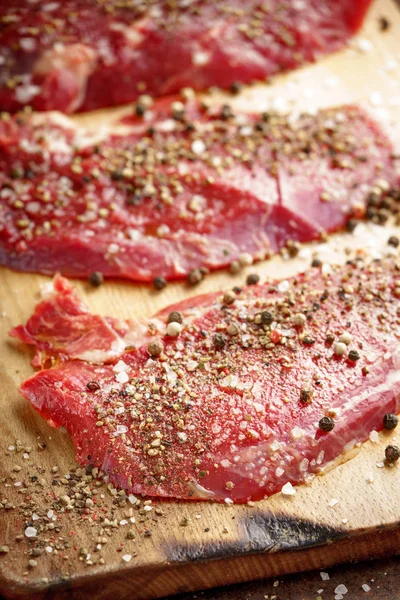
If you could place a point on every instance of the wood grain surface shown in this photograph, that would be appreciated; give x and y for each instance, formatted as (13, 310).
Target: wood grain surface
(176, 547)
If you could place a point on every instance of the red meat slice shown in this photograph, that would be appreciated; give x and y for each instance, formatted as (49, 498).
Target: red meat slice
(82, 55)
(174, 194)
(230, 408)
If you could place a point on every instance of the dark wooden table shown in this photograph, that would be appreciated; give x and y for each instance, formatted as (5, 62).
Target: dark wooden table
(383, 577)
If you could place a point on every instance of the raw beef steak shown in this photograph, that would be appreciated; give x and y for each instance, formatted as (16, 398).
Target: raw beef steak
(222, 398)
(184, 188)
(74, 55)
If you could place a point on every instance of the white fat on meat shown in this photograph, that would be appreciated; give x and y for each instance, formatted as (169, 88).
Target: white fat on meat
(78, 59)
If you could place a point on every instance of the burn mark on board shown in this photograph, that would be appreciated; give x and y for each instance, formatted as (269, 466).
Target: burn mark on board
(258, 532)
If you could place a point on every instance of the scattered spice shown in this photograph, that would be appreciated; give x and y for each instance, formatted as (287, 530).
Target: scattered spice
(392, 454)
(393, 241)
(194, 277)
(155, 347)
(326, 424)
(252, 279)
(219, 341)
(159, 283)
(175, 317)
(353, 355)
(390, 421)
(96, 279)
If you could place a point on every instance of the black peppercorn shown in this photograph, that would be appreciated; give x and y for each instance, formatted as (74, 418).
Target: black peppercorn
(219, 341)
(252, 279)
(326, 424)
(390, 421)
(159, 283)
(392, 453)
(96, 278)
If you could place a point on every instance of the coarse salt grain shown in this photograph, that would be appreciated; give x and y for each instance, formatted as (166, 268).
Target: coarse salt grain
(127, 557)
(333, 502)
(366, 587)
(30, 532)
(49, 549)
(324, 576)
(288, 489)
(374, 436)
(122, 377)
(132, 499)
(341, 589)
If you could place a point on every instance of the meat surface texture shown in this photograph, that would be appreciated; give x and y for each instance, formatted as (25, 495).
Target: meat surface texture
(77, 55)
(229, 408)
(183, 187)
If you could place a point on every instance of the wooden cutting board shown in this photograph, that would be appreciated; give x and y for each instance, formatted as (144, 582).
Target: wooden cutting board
(350, 513)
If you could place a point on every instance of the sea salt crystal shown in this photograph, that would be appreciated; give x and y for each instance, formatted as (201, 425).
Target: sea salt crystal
(123, 522)
(288, 489)
(376, 99)
(120, 366)
(127, 557)
(374, 436)
(333, 502)
(35, 517)
(283, 286)
(324, 576)
(341, 589)
(122, 377)
(198, 147)
(371, 478)
(49, 549)
(132, 499)
(147, 508)
(366, 587)
(50, 514)
(296, 433)
(30, 532)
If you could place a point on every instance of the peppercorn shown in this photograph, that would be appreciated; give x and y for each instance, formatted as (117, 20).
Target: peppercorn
(219, 341)
(351, 225)
(392, 453)
(155, 347)
(175, 317)
(140, 109)
(226, 112)
(353, 355)
(159, 283)
(194, 277)
(96, 279)
(316, 262)
(235, 267)
(326, 424)
(330, 338)
(393, 241)
(229, 297)
(299, 319)
(252, 279)
(308, 340)
(390, 421)
(306, 395)
(236, 87)
(384, 24)
(266, 317)
(93, 386)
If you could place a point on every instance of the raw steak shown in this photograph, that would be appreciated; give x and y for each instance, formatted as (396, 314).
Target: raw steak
(183, 188)
(85, 54)
(229, 408)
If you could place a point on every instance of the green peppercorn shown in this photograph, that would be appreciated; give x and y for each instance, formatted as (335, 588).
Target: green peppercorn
(390, 421)
(326, 424)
